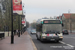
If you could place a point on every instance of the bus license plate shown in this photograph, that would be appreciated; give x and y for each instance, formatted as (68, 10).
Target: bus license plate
(52, 39)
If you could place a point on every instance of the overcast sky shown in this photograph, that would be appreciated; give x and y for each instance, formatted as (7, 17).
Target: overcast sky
(36, 9)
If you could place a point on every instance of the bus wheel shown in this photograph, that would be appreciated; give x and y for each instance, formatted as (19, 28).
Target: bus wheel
(37, 37)
(41, 39)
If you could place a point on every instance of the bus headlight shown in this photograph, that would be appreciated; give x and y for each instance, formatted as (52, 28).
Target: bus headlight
(43, 37)
(61, 37)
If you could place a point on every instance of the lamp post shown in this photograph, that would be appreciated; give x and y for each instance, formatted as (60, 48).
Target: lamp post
(12, 36)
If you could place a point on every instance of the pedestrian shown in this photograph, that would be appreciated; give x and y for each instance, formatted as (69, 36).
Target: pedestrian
(17, 31)
(14, 32)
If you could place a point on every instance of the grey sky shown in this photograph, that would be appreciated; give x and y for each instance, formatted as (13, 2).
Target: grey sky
(36, 9)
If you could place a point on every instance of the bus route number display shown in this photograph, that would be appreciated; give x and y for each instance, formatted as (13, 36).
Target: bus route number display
(51, 21)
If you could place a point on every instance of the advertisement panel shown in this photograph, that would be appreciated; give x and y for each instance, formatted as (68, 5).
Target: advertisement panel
(17, 6)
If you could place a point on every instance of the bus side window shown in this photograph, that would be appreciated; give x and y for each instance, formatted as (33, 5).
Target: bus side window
(38, 28)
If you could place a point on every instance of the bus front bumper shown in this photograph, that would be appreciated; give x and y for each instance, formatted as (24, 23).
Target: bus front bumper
(52, 38)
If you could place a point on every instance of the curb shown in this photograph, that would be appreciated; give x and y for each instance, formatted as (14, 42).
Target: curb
(33, 43)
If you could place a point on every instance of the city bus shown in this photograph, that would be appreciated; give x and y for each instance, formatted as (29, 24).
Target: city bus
(49, 30)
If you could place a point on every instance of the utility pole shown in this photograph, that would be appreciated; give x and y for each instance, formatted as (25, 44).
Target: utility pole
(12, 35)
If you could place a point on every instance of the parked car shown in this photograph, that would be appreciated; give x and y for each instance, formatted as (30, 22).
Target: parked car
(65, 32)
(33, 31)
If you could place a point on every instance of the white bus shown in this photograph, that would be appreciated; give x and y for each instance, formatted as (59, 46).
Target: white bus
(49, 30)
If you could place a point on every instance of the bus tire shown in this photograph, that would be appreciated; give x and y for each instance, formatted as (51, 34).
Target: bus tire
(37, 37)
(41, 39)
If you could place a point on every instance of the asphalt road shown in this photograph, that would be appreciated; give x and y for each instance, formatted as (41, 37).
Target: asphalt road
(68, 43)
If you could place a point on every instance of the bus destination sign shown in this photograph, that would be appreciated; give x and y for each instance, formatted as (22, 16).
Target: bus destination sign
(52, 21)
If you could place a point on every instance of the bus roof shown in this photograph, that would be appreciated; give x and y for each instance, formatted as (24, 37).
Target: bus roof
(49, 19)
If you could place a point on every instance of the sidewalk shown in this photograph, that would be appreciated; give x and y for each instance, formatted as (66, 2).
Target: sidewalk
(24, 42)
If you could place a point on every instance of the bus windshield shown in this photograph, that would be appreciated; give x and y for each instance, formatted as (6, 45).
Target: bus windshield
(52, 27)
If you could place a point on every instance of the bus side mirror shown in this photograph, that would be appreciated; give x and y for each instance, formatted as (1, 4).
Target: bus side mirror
(62, 25)
(40, 26)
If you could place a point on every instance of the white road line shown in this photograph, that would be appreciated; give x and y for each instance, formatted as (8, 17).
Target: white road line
(62, 42)
(70, 45)
(66, 44)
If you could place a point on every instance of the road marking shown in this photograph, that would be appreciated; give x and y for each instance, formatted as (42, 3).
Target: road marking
(62, 42)
(66, 44)
(70, 45)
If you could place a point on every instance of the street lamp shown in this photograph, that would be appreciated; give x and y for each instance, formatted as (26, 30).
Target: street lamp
(12, 36)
